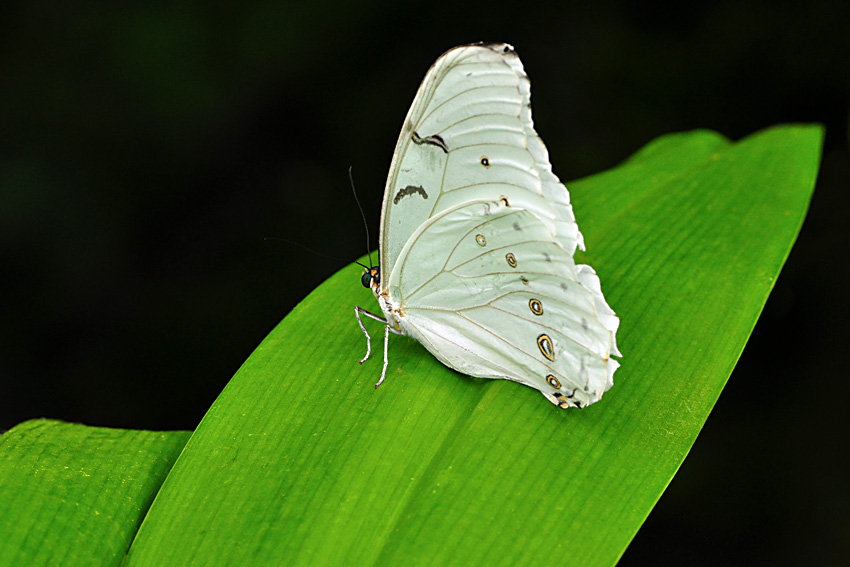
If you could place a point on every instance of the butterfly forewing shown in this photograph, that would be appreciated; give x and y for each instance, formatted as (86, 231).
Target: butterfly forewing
(467, 136)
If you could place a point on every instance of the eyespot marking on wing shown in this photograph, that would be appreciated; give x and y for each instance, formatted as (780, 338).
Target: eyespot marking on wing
(535, 306)
(545, 345)
(511, 260)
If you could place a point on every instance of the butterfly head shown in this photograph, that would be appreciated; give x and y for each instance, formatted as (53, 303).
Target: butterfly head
(371, 277)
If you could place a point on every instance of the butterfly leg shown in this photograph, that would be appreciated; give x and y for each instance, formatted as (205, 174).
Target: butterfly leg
(360, 311)
(357, 311)
(386, 359)
(387, 329)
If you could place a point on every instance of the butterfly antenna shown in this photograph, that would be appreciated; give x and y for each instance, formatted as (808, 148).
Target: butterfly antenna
(308, 249)
(362, 215)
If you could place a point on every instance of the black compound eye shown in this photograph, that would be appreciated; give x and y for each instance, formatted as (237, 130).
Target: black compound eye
(373, 275)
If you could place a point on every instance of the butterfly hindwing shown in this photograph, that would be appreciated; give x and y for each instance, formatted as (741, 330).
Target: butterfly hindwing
(489, 292)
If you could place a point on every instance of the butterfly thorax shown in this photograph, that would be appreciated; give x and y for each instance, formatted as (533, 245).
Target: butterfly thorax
(372, 280)
(391, 312)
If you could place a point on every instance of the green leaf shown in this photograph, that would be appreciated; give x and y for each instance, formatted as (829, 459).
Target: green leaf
(74, 495)
(301, 462)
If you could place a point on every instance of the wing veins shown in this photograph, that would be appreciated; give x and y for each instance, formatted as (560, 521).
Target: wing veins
(424, 117)
(508, 183)
(572, 306)
(524, 132)
(461, 347)
(505, 247)
(554, 330)
(520, 130)
(445, 270)
(505, 341)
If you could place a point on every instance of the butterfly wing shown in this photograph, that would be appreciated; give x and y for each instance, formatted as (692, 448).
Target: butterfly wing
(478, 236)
(469, 135)
(488, 290)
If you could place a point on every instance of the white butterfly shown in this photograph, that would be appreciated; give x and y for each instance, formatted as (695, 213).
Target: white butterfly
(478, 235)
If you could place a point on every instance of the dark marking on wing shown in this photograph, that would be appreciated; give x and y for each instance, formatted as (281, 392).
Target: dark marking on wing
(504, 47)
(582, 371)
(435, 140)
(409, 190)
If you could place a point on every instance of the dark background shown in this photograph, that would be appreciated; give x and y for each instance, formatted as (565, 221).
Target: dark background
(147, 149)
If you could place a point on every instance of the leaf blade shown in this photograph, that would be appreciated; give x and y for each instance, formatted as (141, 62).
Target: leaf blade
(311, 466)
(75, 495)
